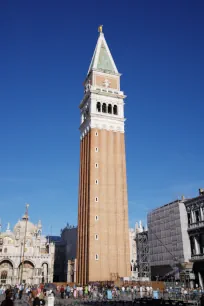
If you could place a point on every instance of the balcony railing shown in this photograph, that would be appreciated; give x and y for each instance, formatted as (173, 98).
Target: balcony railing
(195, 225)
(197, 257)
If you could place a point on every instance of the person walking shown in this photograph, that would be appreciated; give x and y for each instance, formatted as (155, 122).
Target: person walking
(8, 301)
(36, 299)
(62, 292)
(21, 288)
(67, 291)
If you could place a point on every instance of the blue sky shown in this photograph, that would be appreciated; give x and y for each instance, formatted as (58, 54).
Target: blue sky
(46, 48)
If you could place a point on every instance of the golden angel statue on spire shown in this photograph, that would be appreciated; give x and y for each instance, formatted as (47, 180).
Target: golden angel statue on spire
(100, 29)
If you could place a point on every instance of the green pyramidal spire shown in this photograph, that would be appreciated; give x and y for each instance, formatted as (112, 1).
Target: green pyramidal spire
(102, 58)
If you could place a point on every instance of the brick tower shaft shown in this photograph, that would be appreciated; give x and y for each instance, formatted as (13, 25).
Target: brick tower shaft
(103, 239)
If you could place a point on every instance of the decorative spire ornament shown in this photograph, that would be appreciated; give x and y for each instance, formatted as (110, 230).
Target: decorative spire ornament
(100, 29)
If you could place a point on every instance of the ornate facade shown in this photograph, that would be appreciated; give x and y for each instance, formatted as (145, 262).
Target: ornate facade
(139, 257)
(25, 255)
(103, 238)
(195, 213)
(65, 254)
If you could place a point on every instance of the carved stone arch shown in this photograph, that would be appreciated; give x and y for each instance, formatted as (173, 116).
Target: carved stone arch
(27, 271)
(8, 260)
(28, 261)
(45, 269)
(45, 262)
(6, 271)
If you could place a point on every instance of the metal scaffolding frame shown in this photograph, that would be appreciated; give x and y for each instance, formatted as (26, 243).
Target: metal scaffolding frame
(143, 255)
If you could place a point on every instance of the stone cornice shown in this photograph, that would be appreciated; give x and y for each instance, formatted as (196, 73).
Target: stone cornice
(101, 91)
(102, 124)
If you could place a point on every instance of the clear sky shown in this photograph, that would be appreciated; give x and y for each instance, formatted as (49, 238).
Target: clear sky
(45, 51)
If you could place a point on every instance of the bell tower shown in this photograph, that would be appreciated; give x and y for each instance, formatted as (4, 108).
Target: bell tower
(103, 241)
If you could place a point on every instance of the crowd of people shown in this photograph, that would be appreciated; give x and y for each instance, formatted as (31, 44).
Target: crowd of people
(91, 291)
(40, 295)
(33, 295)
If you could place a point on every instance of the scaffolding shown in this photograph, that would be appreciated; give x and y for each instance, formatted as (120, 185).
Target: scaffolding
(167, 241)
(143, 255)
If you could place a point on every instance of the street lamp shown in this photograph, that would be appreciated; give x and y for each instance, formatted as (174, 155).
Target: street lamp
(24, 242)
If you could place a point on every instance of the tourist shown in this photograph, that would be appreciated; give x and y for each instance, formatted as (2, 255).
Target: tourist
(123, 291)
(8, 301)
(89, 290)
(67, 291)
(42, 298)
(75, 293)
(21, 288)
(80, 291)
(38, 290)
(36, 299)
(86, 291)
(15, 292)
(62, 291)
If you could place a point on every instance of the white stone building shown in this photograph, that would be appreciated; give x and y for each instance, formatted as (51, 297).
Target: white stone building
(35, 264)
(133, 249)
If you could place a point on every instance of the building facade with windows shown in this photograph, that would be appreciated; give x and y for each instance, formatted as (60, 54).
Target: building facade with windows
(25, 254)
(176, 240)
(143, 265)
(103, 237)
(169, 243)
(65, 254)
(195, 213)
(137, 249)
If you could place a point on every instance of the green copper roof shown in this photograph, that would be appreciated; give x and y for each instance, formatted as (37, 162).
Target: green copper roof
(104, 61)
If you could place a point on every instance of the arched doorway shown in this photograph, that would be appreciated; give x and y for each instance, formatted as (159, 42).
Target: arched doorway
(26, 272)
(44, 273)
(6, 272)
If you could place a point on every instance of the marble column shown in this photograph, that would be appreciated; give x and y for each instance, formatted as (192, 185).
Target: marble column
(201, 214)
(45, 268)
(15, 276)
(192, 216)
(197, 245)
(191, 284)
(75, 265)
(200, 280)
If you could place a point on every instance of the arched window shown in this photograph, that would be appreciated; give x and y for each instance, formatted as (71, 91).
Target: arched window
(4, 275)
(109, 108)
(5, 250)
(104, 108)
(98, 107)
(115, 110)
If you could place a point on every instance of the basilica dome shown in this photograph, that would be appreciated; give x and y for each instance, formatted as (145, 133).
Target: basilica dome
(19, 228)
